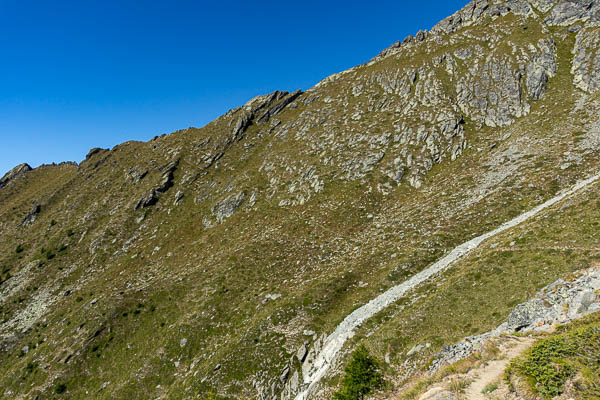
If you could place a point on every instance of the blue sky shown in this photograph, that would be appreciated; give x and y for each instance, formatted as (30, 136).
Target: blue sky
(81, 74)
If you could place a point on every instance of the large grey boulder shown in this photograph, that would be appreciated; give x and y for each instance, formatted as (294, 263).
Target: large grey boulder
(527, 314)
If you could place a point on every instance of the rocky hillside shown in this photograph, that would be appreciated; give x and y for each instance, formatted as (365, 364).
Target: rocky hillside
(216, 262)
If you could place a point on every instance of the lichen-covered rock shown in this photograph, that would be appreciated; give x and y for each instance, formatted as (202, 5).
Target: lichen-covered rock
(586, 60)
(228, 206)
(527, 314)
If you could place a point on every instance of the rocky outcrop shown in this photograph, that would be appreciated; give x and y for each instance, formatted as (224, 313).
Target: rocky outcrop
(261, 109)
(586, 60)
(568, 12)
(277, 108)
(166, 182)
(558, 303)
(32, 216)
(14, 173)
(94, 151)
(228, 206)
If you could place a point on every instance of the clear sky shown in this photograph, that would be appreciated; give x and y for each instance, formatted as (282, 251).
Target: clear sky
(81, 74)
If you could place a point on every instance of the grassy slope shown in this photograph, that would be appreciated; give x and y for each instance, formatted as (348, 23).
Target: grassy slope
(207, 286)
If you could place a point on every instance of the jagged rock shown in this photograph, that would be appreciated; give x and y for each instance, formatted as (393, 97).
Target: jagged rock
(276, 109)
(17, 171)
(543, 5)
(284, 375)
(241, 125)
(302, 353)
(228, 206)
(586, 61)
(167, 177)
(527, 314)
(136, 174)
(566, 13)
(32, 216)
(94, 151)
(178, 197)
(149, 199)
(166, 182)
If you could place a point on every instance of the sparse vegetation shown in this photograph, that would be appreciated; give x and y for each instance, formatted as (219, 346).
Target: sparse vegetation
(573, 353)
(60, 388)
(492, 387)
(325, 255)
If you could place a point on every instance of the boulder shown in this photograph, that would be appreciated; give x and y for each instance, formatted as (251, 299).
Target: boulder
(302, 353)
(527, 314)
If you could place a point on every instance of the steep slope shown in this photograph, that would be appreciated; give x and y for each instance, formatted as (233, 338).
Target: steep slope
(202, 261)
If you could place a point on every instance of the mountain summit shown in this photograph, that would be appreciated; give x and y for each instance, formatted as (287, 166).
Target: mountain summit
(248, 258)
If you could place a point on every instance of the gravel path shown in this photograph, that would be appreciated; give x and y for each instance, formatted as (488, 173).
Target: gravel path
(346, 328)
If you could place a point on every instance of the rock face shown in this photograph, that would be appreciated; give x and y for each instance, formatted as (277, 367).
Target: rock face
(165, 183)
(14, 173)
(586, 60)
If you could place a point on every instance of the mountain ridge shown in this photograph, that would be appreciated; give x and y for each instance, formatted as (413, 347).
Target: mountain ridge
(196, 263)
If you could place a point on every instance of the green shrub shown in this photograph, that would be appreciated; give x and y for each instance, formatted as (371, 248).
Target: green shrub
(362, 376)
(492, 387)
(19, 249)
(551, 362)
(30, 367)
(60, 388)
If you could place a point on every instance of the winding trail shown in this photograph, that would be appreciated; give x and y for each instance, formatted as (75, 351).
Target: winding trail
(345, 330)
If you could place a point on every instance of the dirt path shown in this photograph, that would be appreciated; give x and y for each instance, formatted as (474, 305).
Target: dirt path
(318, 368)
(492, 372)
